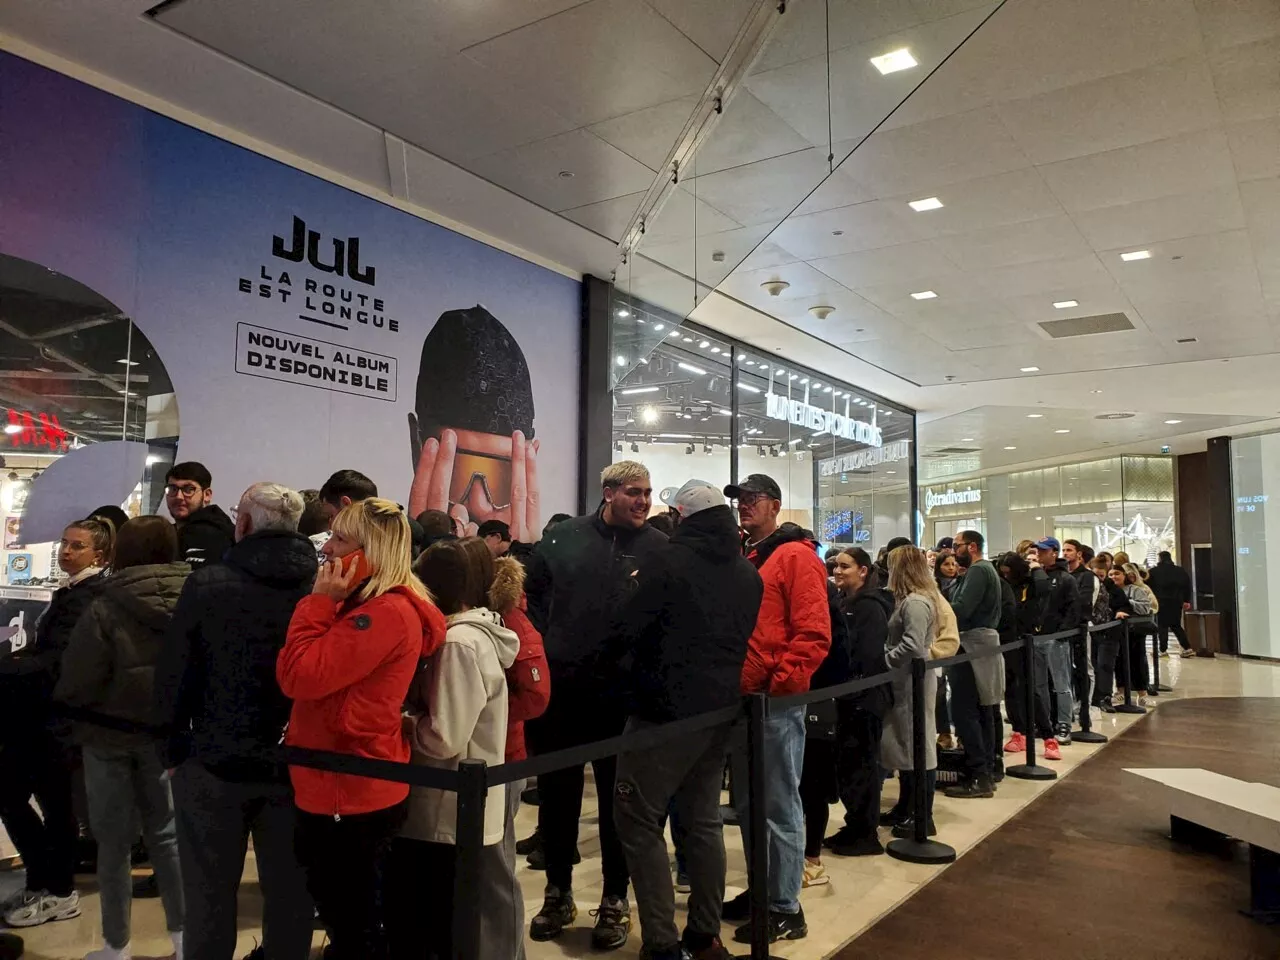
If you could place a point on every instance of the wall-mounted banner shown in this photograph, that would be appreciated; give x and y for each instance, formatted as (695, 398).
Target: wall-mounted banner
(950, 497)
(820, 421)
(304, 328)
(861, 459)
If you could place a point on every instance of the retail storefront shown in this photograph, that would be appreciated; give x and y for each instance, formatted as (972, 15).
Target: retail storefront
(1119, 503)
(690, 403)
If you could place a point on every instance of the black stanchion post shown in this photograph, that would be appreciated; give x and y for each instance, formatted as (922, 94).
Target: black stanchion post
(472, 791)
(757, 826)
(1128, 706)
(919, 848)
(1153, 684)
(1029, 770)
(10, 947)
(1085, 734)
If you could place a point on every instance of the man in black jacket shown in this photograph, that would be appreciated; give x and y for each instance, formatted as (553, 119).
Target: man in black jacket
(578, 579)
(684, 631)
(205, 532)
(216, 694)
(1172, 587)
(1062, 613)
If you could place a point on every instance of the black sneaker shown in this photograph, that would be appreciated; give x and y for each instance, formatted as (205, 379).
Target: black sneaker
(971, 789)
(851, 846)
(257, 953)
(613, 923)
(1062, 733)
(906, 830)
(707, 950)
(529, 844)
(538, 859)
(530, 797)
(893, 817)
(1106, 706)
(737, 909)
(782, 926)
(558, 911)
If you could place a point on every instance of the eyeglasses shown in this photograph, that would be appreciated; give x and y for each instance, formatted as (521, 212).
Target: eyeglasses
(749, 500)
(183, 490)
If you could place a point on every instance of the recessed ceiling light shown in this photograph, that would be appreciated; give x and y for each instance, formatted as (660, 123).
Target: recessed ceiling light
(624, 313)
(837, 233)
(1095, 391)
(565, 174)
(621, 360)
(128, 363)
(1188, 340)
(966, 439)
(1136, 255)
(748, 387)
(1034, 416)
(924, 295)
(687, 339)
(1066, 304)
(1011, 448)
(692, 369)
(659, 327)
(1029, 369)
(928, 203)
(704, 344)
(715, 349)
(633, 390)
(1172, 422)
(1062, 431)
(894, 60)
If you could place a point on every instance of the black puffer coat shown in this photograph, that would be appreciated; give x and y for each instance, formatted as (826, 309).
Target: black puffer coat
(205, 536)
(867, 615)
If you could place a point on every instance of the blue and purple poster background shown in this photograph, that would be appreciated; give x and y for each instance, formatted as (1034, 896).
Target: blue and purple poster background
(172, 225)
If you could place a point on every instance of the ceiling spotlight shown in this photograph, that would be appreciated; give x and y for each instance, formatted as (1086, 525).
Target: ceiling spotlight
(704, 344)
(760, 450)
(659, 327)
(1065, 304)
(635, 447)
(715, 349)
(127, 362)
(748, 387)
(774, 287)
(1172, 422)
(928, 203)
(1034, 416)
(634, 390)
(687, 339)
(692, 369)
(924, 295)
(894, 60)
(1029, 369)
(689, 449)
(822, 312)
(620, 360)
(649, 415)
(1136, 255)
(706, 448)
(624, 313)
(1062, 431)
(826, 389)
(617, 445)
(966, 439)
(1095, 391)
(1011, 448)
(792, 376)
(565, 174)
(837, 233)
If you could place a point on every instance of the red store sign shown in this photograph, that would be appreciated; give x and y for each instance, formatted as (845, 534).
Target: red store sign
(26, 429)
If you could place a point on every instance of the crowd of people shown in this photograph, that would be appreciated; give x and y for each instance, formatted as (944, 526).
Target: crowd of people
(185, 651)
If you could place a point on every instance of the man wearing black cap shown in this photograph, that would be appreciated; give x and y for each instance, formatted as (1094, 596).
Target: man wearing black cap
(471, 437)
(581, 574)
(791, 639)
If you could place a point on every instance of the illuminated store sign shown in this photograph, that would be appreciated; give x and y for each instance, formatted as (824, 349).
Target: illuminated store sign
(822, 421)
(26, 429)
(950, 498)
(861, 459)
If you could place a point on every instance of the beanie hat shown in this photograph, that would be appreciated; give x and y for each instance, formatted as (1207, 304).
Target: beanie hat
(473, 376)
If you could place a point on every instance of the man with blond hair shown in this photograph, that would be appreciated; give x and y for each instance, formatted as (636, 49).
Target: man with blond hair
(216, 695)
(578, 579)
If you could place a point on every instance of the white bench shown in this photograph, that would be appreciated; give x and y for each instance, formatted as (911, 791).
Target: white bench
(1206, 805)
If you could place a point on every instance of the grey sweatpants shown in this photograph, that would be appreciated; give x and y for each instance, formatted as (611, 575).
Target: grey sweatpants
(501, 899)
(689, 771)
(215, 820)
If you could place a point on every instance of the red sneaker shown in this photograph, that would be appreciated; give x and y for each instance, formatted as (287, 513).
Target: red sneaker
(1017, 744)
(1051, 751)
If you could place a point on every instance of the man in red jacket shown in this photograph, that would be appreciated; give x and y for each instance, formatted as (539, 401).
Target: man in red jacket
(790, 641)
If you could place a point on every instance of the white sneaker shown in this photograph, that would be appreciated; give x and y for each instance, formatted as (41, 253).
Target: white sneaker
(1188, 653)
(38, 908)
(177, 944)
(110, 953)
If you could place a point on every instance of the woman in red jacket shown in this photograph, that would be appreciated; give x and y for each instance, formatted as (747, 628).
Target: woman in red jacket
(353, 649)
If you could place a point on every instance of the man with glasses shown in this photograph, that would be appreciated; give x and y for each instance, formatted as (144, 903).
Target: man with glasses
(205, 532)
(583, 571)
(791, 639)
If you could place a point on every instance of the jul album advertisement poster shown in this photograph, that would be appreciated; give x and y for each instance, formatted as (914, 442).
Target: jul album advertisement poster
(304, 327)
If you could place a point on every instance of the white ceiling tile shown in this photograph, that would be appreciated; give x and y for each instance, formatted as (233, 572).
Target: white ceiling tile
(1255, 147)
(1226, 23)
(767, 255)
(600, 171)
(852, 312)
(734, 244)
(837, 190)
(802, 32)
(1261, 200)
(462, 24)
(1247, 80)
(804, 282)
(1185, 164)
(962, 298)
(747, 131)
(765, 191)
(648, 134)
(1104, 296)
(863, 226)
(1051, 238)
(675, 222)
(1117, 111)
(986, 202)
(579, 60)
(711, 24)
(1044, 276)
(970, 338)
(1131, 225)
(908, 261)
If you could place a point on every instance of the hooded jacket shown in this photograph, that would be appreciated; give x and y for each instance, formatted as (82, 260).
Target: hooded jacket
(216, 691)
(1172, 587)
(348, 666)
(867, 614)
(1031, 597)
(205, 535)
(793, 632)
(529, 678)
(109, 666)
(681, 637)
(460, 696)
(1062, 611)
(578, 579)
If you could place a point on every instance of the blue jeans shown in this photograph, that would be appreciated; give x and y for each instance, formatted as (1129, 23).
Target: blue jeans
(784, 733)
(1060, 676)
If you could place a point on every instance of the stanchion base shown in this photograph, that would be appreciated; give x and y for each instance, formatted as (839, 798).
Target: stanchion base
(1130, 708)
(10, 947)
(1025, 771)
(1087, 736)
(747, 956)
(928, 851)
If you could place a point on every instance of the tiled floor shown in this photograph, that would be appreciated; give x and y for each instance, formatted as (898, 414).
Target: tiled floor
(860, 892)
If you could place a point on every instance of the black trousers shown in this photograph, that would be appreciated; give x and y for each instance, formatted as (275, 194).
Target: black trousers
(576, 715)
(1106, 648)
(1082, 677)
(1015, 693)
(36, 763)
(1138, 665)
(419, 899)
(345, 860)
(1167, 623)
(858, 775)
(972, 720)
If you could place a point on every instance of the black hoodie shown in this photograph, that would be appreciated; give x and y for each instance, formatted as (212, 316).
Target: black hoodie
(215, 683)
(681, 637)
(205, 536)
(867, 614)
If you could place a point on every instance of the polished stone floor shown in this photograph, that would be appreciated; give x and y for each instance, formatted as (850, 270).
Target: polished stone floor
(860, 893)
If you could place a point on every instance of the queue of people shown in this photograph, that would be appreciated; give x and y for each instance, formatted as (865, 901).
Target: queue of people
(187, 651)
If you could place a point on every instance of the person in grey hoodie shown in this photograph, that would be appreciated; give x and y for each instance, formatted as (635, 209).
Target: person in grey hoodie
(109, 669)
(457, 711)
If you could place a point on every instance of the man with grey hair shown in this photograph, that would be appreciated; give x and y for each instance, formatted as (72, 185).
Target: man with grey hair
(217, 699)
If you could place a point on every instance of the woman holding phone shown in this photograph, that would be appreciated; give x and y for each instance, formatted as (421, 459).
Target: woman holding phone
(353, 649)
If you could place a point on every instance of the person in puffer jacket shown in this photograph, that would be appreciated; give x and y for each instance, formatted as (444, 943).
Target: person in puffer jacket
(457, 711)
(352, 651)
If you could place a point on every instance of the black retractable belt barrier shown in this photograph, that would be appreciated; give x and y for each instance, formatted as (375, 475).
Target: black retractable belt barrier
(1155, 687)
(919, 848)
(1029, 770)
(472, 791)
(1128, 706)
(1086, 734)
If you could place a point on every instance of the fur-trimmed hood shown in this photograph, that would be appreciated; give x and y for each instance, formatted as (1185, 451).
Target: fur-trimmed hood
(508, 585)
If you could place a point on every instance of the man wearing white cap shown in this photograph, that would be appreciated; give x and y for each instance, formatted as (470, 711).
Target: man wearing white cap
(685, 630)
